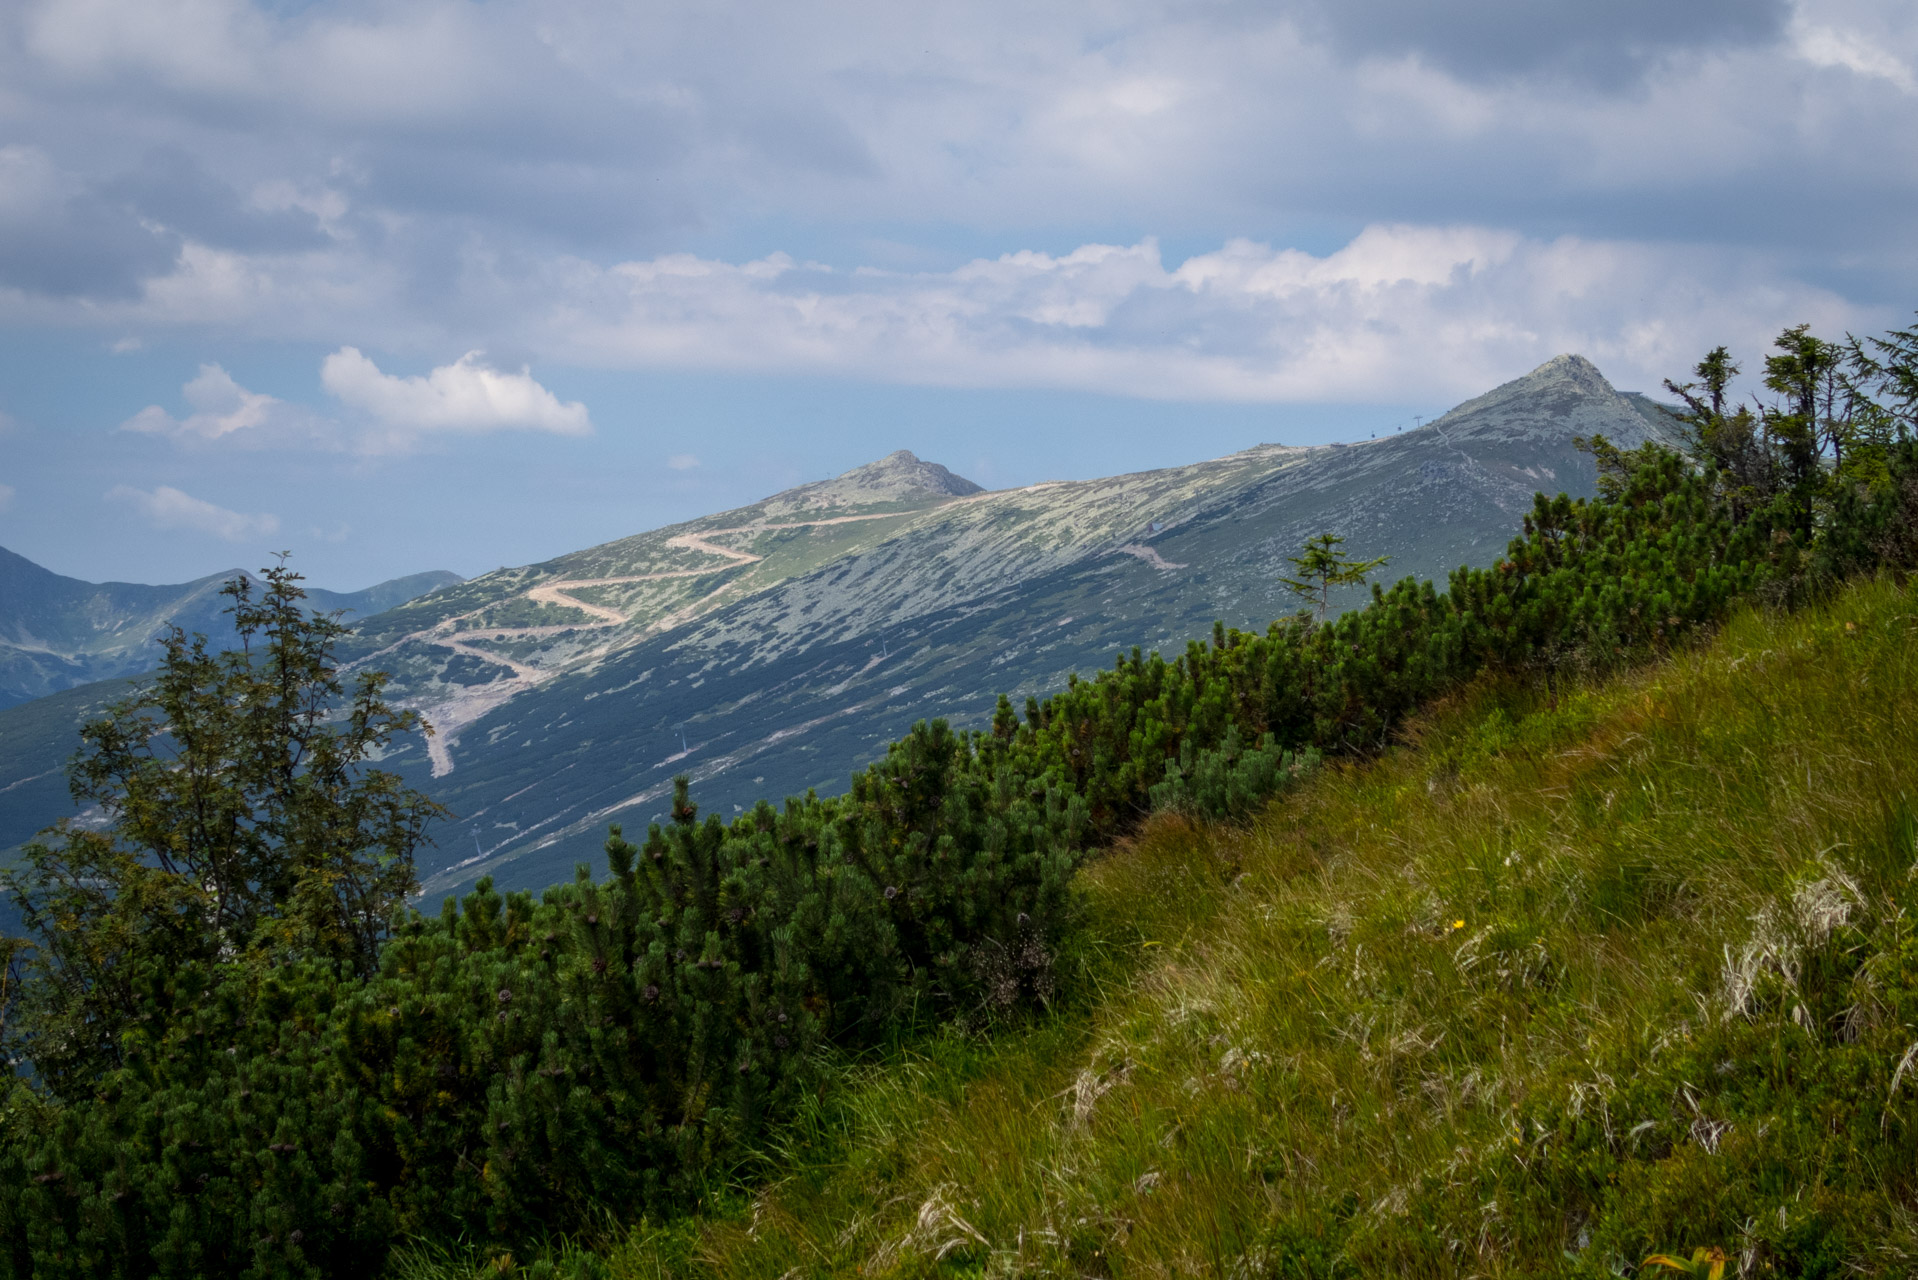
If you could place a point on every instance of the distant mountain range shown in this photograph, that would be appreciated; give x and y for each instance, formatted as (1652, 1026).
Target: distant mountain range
(780, 646)
(58, 633)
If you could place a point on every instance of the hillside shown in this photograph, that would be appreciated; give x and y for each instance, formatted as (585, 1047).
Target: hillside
(1526, 925)
(778, 647)
(459, 653)
(936, 612)
(1554, 985)
(59, 633)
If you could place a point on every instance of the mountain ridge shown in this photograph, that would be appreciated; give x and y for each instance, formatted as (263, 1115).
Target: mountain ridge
(58, 632)
(778, 646)
(1007, 590)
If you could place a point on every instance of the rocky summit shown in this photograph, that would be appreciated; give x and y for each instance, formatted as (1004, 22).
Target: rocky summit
(900, 476)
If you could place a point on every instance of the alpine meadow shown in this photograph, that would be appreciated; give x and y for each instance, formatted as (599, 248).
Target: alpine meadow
(1555, 918)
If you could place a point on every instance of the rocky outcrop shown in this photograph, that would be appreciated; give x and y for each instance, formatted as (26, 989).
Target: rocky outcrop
(900, 476)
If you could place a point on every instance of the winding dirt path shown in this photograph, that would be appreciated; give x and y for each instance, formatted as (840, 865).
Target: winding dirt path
(560, 592)
(697, 542)
(471, 702)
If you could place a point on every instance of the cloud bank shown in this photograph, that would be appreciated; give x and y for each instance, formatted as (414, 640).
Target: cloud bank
(435, 177)
(168, 508)
(1399, 312)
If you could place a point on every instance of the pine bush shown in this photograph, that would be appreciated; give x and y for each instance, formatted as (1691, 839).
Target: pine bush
(517, 1066)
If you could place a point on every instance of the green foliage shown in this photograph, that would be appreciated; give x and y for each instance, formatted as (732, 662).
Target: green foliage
(1840, 409)
(1230, 780)
(1414, 1021)
(239, 1072)
(1323, 566)
(241, 820)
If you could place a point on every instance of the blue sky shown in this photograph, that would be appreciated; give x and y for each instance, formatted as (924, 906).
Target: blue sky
(453, 285)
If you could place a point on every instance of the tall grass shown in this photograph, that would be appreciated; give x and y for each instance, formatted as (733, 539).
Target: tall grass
(1561, 982)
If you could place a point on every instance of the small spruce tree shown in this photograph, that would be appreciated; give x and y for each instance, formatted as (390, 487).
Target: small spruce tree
(1324, 566)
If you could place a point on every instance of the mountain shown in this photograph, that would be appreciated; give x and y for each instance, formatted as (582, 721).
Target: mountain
(58, 633)
(780, 646)
(771, 675)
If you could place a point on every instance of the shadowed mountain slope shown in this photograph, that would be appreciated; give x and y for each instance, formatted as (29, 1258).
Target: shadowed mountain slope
(58, 632)
(797, 685)
(780, 646)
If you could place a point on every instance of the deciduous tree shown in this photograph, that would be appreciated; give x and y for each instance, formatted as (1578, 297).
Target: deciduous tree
(237, 815)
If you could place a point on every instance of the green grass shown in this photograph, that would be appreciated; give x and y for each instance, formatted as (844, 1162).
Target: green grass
(1555, 984)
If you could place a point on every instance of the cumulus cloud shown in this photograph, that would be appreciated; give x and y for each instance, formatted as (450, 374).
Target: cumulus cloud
(168, 508)
(465, 396)
(516, 176)
(1400, 311)
(385, 414)
(221, 407)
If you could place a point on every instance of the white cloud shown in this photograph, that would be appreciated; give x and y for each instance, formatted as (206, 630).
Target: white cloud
(467, 395)
(1829, 46)
(390, 414)
(480, 171)
(221, 406)
(169, 508)
(682, 462)
(1400, 312)
(6, 496)
(197, 45)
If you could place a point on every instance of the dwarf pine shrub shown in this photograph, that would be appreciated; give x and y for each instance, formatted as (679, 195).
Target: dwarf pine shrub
(296, 1094)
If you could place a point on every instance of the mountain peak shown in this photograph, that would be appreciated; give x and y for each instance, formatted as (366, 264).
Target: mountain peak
(1568, 367)
(903, 472)
(900, 476)
(1564, 397)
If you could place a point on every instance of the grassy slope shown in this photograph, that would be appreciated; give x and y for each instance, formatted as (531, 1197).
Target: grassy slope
(1546, 989)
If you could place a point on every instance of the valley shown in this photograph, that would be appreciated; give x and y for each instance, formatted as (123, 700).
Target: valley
(59, 633)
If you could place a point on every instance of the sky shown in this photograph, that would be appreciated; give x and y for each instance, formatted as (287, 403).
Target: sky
(406, 286)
